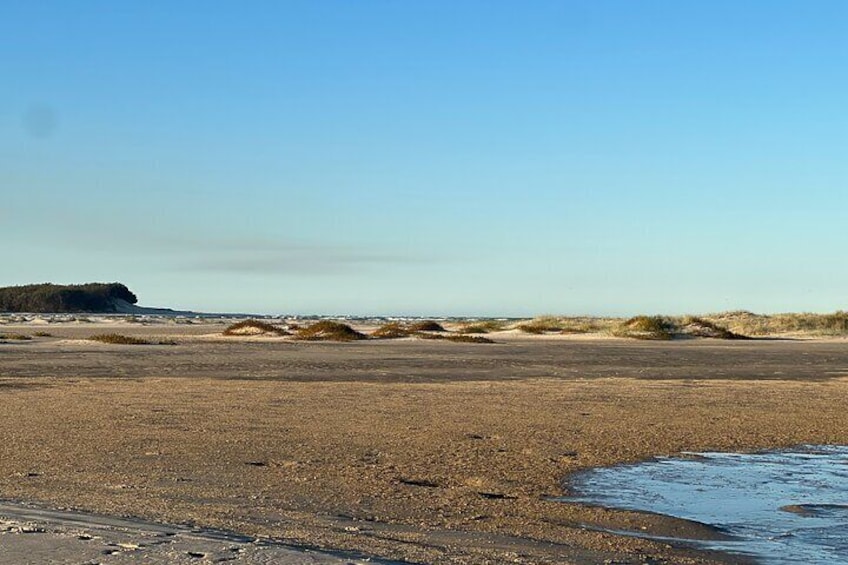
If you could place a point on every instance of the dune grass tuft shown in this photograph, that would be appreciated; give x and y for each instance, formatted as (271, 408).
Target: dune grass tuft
(645, 327)
(426, 326)
(459, 338)
(541, 325)
(481, 327)
(665, 328)
(694, 326)
(118, 339)
(462, 338)
(428, 330)
(392, 330)
(329, 331)
(42, 334)
(16, 337)
(254, 327)
(748, 323)
(566, 325)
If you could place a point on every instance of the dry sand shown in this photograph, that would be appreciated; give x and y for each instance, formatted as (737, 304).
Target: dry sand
(415, 450)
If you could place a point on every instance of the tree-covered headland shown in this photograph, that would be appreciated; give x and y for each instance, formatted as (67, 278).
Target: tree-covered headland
(54, 298)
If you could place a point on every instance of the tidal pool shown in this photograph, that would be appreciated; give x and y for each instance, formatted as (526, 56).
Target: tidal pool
(780, 507)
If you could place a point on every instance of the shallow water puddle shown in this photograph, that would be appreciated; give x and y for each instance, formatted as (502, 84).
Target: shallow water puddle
(781, 506)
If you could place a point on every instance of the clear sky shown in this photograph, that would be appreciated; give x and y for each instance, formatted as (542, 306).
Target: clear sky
(429, 157)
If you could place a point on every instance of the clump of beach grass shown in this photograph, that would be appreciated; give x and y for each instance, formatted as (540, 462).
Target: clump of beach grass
(541, 325)
(481, 327)
(118, 339)
(391, 330)
(42, 334)
(585, 325)
(749, 323)
(694, 326)
(666, 327)
(427, 329)
(568, 329)
(459, 338)
(426, 326)
(327, 330)
(565, 325)
(15, 337)
(645, 327)
(254, 327)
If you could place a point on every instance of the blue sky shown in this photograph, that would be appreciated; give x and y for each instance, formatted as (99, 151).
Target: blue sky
(432, 158)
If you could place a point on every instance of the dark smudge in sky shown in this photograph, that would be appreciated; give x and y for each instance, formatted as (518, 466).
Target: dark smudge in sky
(40, 121)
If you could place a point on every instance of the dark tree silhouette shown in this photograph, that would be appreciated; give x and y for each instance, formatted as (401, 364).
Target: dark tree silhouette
(49, 298)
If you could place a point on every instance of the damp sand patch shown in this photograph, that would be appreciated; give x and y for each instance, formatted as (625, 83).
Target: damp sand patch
(779, 507)
(31, 534)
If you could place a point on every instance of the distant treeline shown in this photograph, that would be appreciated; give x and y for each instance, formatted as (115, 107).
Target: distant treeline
(49, 298)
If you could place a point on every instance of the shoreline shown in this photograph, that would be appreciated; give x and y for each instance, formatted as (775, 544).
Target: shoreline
(82, 537)
(69, 534)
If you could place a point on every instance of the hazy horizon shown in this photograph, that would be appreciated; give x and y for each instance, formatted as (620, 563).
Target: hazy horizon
(153, 309)
(429, 158)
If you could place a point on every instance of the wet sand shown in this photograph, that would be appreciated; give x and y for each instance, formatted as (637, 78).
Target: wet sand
(33, 535)
(415, 450)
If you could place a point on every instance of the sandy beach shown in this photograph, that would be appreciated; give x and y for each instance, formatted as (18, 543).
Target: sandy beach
(409, 450)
